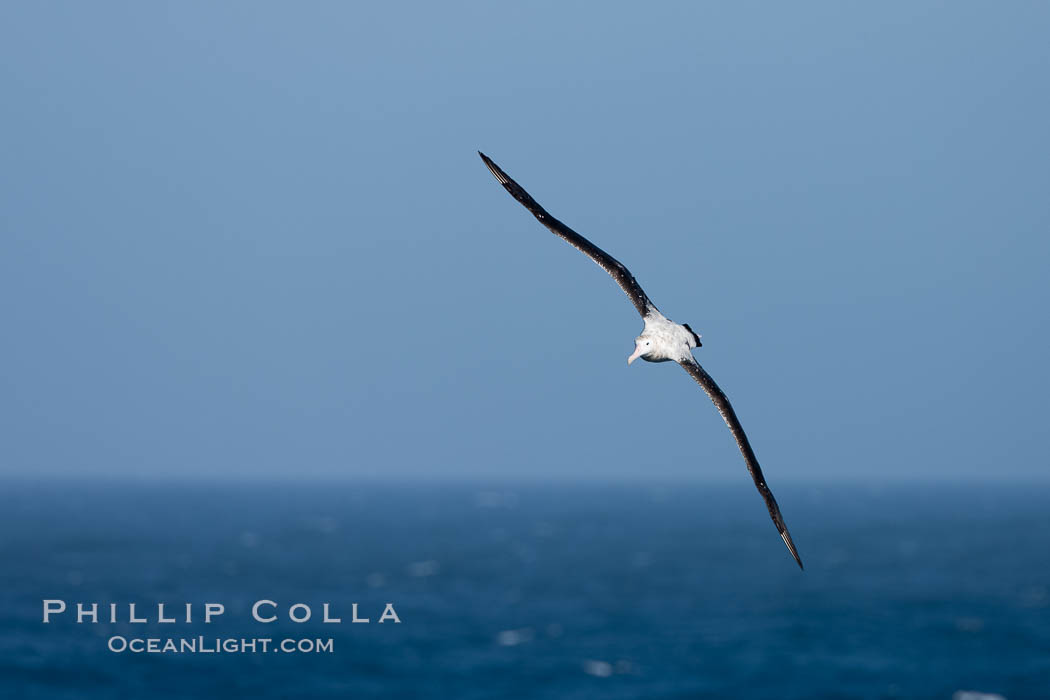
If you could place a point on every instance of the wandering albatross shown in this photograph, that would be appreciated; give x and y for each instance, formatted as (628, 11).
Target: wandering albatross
(661, 340)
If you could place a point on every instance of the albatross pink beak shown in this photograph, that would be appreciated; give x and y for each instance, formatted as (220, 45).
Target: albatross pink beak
(634, 356)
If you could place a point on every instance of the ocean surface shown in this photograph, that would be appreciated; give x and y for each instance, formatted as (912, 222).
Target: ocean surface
(566, 590)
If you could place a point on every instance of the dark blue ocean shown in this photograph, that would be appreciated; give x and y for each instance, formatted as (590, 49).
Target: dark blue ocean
(532, 590)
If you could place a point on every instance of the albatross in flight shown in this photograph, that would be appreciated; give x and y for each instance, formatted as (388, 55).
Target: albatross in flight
(661, 340)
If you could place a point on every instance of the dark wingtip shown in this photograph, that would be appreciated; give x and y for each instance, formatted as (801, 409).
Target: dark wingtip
(503, 178)
(786, 536)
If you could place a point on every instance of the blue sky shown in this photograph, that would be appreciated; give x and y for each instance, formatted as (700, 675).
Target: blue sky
(248, 239)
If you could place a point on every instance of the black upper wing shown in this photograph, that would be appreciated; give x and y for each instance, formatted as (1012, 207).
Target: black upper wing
(722, 403)
(621, 274)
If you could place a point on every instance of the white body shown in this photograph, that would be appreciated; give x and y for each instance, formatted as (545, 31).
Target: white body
(663, 340)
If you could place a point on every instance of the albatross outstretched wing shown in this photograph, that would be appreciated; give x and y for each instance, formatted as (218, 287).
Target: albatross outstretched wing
(726, 409)
(614, 267)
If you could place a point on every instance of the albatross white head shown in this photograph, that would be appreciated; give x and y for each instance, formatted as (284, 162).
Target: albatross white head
(642, 347)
